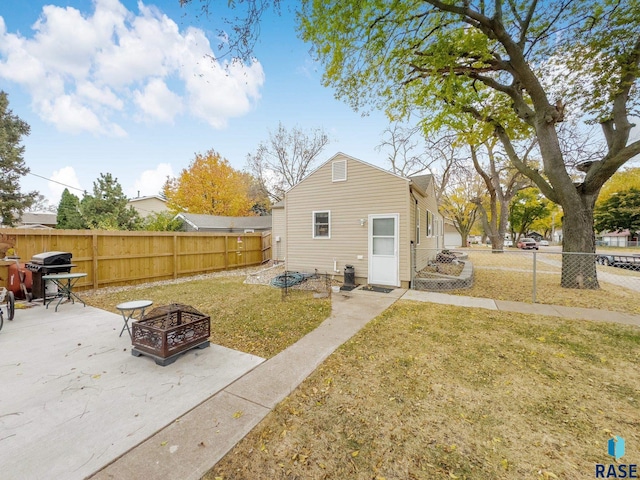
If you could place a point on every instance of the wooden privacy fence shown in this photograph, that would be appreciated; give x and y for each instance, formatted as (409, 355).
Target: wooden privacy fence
(125, 258)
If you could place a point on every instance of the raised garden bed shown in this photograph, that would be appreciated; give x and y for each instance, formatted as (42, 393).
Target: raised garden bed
(446, 274)
(166, 332)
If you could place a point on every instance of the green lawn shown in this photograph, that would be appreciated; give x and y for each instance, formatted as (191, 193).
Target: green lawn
(438, 392)
(255, 319)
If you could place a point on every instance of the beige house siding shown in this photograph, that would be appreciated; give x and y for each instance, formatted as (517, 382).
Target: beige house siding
(279, 237)
(429, 244)
(367, 190)
(147, 205)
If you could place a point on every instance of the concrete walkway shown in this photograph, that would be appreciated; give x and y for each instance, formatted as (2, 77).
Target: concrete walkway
(521, 307)
(193, 444)
(190, 446)
(188, 415)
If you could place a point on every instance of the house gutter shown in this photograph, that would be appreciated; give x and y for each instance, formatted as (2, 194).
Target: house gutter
(413, 245)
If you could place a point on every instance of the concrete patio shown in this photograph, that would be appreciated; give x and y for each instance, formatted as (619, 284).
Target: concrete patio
(74, 398)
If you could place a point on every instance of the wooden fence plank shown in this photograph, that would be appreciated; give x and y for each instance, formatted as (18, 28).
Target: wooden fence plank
(124, 258)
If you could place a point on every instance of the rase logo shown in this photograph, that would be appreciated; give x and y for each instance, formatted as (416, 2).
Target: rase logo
(618, 470)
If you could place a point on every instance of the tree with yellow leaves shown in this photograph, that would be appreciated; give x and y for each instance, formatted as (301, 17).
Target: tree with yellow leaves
(620, 181)
(210, 186)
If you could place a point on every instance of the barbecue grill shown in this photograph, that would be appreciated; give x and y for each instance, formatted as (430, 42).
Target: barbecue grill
(44, 264)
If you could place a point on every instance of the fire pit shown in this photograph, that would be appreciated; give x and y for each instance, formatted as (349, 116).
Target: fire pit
(166, 332)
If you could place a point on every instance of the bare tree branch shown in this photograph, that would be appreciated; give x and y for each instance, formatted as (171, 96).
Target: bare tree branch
(286, 158)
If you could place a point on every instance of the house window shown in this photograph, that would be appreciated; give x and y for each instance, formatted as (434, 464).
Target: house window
(339, 171)
(429, 224)
(418, 226)
(322, 224)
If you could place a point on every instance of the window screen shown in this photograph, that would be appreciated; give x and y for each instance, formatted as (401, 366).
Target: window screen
(321, 225)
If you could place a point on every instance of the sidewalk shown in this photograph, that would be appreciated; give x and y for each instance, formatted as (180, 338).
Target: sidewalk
(527, 308)
(190, 446)
(194, 443)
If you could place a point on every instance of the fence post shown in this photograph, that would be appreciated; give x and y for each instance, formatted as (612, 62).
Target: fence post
(226, 251)
(534, 276)
(175, 256)
(94, 260)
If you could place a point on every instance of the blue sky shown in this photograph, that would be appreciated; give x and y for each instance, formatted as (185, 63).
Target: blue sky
(129, 88)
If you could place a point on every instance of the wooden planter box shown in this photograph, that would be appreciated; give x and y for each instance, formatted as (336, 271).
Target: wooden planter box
(166, 332)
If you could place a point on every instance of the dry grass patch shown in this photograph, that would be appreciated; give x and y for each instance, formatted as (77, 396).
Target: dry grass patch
(518, 287)
(434, 391)
(619, 250)
(619, 271)
(509, 259)
(254, 319)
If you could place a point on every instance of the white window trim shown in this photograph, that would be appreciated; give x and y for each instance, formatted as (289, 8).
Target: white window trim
(429, 226)
(418, 232)
(333, 171)
(313, 224)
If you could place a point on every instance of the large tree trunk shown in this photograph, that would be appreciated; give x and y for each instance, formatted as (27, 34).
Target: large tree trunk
(578, 245)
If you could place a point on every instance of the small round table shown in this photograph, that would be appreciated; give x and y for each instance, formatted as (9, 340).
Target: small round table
(128, 310)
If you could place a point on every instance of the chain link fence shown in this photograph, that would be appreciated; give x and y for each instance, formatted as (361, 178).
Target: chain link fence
(276, 276)
(545, 275)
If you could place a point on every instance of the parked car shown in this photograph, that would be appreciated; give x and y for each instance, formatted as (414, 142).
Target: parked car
(629, 262)
(544, 243)
(605, 260)
(527, 244)
(508, 243)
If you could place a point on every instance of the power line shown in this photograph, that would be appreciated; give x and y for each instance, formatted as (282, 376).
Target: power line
(84, 192)
(55, 181)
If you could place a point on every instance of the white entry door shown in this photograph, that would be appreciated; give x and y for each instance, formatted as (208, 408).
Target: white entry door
(383, 250)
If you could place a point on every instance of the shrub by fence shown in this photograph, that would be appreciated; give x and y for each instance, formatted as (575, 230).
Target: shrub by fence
(112, 258)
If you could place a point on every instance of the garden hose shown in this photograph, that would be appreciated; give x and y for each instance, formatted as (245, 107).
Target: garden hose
(289, 279)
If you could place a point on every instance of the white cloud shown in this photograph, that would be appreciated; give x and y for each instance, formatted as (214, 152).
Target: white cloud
(90, 72)
(65, 177)
(99, 96)
(69, 114)
(216, 90)
(150, 182)
(157, 102)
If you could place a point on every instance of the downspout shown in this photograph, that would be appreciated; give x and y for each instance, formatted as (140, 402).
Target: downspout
(412, 246)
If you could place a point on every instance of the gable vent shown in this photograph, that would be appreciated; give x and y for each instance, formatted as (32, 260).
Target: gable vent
(339, 169)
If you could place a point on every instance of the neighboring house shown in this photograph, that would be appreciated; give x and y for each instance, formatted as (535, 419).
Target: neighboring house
(147, 205)
(535, 235)
(452, 238)
(348, 212)
(216, 223)
(616, 239)
(38, 220)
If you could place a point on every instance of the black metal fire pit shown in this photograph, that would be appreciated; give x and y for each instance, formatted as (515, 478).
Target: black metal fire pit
(166, 332)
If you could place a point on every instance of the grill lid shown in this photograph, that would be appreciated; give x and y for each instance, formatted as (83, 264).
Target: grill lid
(52, 258)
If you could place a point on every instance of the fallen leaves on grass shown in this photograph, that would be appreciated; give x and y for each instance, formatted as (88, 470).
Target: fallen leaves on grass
(432, 391)
(509, 276)
(254, 319)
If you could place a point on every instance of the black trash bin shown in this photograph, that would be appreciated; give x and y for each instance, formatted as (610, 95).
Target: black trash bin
(349, 276)
(44, 264)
